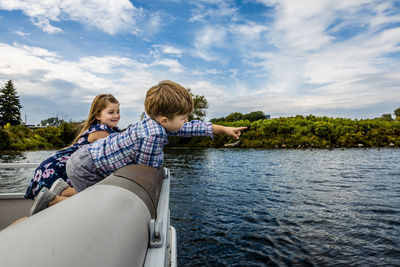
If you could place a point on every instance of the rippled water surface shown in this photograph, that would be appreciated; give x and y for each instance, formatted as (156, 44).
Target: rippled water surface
(247, 207)
(286, 207)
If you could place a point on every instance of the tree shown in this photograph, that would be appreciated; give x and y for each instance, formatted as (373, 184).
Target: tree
(397, 113)
(53, 121)
(235, 116)
(200, 104)
(255, 116)
(9, 105)
(387, 117)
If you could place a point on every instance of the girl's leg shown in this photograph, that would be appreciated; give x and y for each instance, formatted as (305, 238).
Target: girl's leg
(56, 200)
(17, 221)
(67, 192)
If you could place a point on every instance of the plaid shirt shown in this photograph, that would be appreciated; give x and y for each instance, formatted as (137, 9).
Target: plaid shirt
(141, 143)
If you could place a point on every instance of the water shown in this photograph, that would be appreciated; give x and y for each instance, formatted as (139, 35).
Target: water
(17, 180)
(248, 207)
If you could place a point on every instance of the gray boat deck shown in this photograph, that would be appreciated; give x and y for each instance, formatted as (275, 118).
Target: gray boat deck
(13, 207)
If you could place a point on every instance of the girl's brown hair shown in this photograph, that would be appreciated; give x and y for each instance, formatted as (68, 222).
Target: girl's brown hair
(100, 102)
(168, 99)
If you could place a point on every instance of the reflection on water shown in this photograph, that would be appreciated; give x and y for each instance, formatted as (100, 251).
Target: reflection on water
(249, 207)
(12, 156)
(17, 180)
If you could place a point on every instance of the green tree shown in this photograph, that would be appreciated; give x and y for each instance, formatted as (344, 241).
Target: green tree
(397, 113)
(200, 105)
(235, 116)
(4, 140)
(254, 116)
(53, 121)
(9, 105)
(387, 117)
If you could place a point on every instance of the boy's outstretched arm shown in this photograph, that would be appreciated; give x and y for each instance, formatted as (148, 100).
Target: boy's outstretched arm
(233, 132)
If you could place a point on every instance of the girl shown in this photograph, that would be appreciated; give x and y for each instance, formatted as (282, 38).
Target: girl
(51, 174)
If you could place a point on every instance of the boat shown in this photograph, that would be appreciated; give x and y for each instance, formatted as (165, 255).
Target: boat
(234, 144)
(123, 220)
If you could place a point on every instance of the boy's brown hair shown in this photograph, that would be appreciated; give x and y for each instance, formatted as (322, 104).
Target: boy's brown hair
(168, 99)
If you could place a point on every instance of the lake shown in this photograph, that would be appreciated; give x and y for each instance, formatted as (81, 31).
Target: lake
(259, 207)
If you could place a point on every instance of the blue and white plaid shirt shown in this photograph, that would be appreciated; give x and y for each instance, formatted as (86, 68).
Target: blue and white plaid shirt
(141, 143)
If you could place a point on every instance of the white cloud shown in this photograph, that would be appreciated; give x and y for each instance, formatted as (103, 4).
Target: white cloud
(44, 24)
(22, 34)
(313, 68)
(249, 31)
(36, 51)
(306, 57)
(45, 76)
(215, 10)
(208, 38)
(153, 24)
(166, 49)
(107, 64)
(172, 64)
(108, 16)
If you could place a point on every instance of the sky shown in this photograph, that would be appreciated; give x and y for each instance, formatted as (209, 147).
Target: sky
(335, 58)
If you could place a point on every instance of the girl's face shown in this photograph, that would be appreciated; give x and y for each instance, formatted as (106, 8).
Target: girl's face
(110, 115)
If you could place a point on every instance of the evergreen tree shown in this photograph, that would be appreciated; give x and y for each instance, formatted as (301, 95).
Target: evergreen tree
(9, 105)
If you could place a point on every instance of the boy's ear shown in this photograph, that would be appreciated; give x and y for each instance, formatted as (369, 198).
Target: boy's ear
(163, 120)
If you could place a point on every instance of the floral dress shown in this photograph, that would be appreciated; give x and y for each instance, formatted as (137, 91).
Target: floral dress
(54, 167)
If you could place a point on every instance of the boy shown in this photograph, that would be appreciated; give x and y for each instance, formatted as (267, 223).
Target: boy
(167, 106)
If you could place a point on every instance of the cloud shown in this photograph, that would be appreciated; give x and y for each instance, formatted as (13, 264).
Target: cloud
(108, 16)
(293, 57)
(249, 31)
(172, 64)
(51, 80)
(170, 50)
(312, 57)
(215, 10)
(208, 38)
(37, 51)
(107, 64)
(317, 65)
(22, 34)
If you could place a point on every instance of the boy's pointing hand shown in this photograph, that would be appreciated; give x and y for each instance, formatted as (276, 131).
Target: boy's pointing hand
(233, 132)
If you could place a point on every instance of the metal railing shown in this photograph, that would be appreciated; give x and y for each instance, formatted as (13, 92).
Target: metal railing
(18, 165)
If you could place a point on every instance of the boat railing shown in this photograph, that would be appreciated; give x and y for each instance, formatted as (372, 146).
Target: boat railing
(18, 165)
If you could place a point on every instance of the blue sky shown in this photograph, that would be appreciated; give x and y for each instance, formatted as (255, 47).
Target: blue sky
(337, 58)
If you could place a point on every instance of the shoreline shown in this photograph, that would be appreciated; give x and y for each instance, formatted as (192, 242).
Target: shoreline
(203, 147)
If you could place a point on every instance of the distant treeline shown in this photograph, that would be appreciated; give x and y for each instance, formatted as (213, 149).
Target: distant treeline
(20, 137)
(237, 116)
(290, 132)
(306, 132)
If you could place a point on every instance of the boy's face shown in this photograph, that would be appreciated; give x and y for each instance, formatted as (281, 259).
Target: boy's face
(175, 124)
